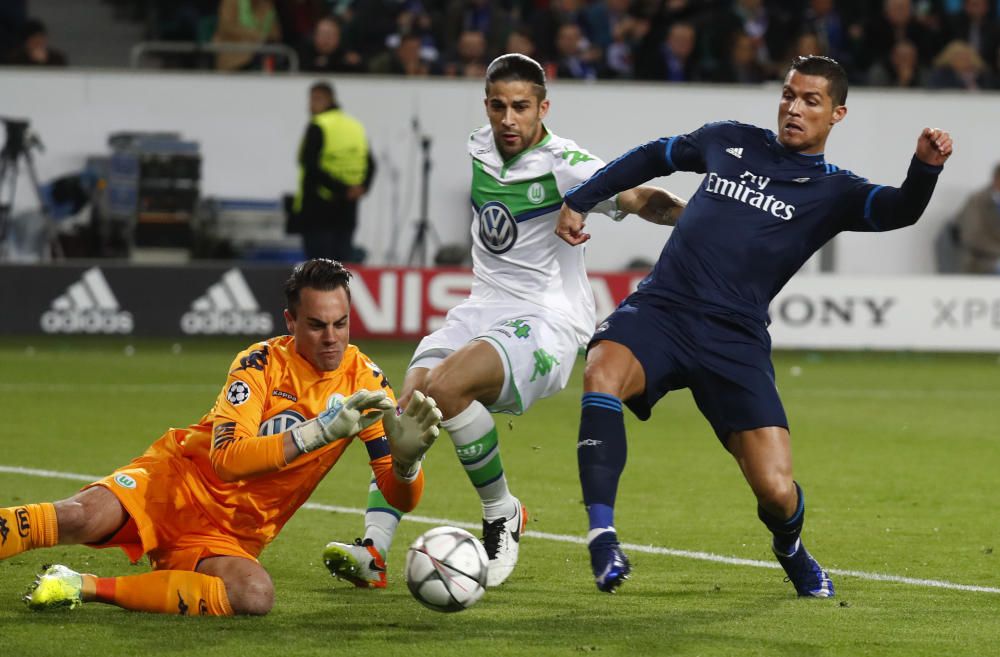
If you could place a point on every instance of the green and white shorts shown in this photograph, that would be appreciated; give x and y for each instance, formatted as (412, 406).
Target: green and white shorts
(538, 347)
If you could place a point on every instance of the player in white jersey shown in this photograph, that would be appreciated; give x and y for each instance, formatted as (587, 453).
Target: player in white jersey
(531, 308)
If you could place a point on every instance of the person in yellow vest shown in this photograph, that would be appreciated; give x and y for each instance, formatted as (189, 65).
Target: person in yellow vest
(335, 170)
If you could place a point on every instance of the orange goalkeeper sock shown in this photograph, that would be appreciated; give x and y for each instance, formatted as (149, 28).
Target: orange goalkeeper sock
(27, 527)
(162, 592)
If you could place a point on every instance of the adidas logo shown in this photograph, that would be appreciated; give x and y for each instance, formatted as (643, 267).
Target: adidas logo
(227, 307)
(735, 152)
(88, 306)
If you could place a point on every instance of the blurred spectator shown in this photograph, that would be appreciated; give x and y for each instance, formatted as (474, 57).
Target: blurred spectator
(299, 18)
(13, 16)
(470, 56)
(807, 43)
(675, 60)
(896, 23)
(371, 23)
(405, 59)
(768, 29)
(545, 24)
(325, 53)
(519, 41)
(617, 33)
(335, 170)
(973, 25)
(979, 230)
(252, 22)
(825, 20)
(575, 60)
(742, 66)
(902, 70)
(959, 66)
(489, 18)
(34, 49)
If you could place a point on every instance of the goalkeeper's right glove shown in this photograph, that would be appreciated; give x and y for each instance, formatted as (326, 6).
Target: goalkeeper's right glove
(344, 421)
(412, 433)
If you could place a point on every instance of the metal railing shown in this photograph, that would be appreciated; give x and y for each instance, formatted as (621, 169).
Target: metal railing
(144, 48)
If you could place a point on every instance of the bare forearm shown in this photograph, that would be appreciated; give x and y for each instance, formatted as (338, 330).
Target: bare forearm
(653, 204)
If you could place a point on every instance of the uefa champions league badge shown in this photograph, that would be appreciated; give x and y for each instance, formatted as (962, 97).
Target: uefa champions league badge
(335, 402)
(237, 393)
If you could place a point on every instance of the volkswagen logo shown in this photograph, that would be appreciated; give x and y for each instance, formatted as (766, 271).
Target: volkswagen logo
(497, 228)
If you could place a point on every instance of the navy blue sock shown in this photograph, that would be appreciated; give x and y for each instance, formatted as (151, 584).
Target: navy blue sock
(786, 531)
(601, 452)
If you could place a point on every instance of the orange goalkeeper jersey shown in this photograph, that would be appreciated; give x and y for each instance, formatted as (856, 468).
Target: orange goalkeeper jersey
(245, 487)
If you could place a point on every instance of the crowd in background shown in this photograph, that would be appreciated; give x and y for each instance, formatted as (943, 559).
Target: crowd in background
(940, 44)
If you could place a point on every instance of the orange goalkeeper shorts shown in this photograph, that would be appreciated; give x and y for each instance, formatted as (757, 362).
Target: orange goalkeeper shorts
(164, 522)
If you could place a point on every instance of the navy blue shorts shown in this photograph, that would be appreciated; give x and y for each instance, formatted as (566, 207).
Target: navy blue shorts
(725, 363)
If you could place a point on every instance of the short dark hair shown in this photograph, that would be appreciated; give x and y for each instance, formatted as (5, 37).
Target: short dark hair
(824, 67)
(318, 274)
(325, 87)
(515, 66)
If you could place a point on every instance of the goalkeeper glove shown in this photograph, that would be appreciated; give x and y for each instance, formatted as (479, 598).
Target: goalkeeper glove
(343, 421)
(412, 433)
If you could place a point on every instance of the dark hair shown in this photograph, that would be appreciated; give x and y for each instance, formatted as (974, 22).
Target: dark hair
(325, 87)
(318, 274)
(824, 67)
(32, 27)
(516, 66)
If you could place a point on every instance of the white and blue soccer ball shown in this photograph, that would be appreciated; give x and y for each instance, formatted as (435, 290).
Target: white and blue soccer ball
(446, 569)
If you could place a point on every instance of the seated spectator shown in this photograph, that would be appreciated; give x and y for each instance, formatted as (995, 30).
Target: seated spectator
(492, 19)
(675, 60)
(575, 60)
(807, 43)
(742, 66)
(520, 41)
(405, 59)
(325, 53)
(469, 60)
(903, 70)
(250, 22)
(896, 23)
(34, 49)
(824, 19)
(973, 25)
(979, 230)
(959, 66)
(298, 19)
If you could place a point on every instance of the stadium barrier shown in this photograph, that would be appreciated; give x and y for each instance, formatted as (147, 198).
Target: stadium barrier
(947, 313)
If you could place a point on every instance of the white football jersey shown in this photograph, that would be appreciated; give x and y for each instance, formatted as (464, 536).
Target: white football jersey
(515, 204)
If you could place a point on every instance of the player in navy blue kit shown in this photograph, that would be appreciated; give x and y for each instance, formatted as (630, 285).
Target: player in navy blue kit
(699, 320)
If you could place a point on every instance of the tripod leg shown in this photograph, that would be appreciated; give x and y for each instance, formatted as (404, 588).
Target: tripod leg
(55, 249)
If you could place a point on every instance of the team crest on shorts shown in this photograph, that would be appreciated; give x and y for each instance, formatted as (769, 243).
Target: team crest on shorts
(238, 393)
(124, 481)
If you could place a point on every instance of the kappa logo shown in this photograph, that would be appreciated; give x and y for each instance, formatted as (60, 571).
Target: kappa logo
(497, 228)
(227, 308)
(735, 152)
(87, 306)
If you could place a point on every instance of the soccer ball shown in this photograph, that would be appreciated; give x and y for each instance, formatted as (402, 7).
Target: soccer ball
(446, 569)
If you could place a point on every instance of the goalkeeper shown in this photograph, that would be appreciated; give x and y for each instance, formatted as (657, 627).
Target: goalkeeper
(204, 501)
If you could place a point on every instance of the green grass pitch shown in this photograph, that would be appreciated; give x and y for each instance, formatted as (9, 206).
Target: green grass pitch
(899, 456)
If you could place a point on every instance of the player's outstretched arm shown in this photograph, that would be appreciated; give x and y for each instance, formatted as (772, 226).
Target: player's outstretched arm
(361, 410)
(570, 226)
(655, 205)
(412, 433)
(934, 146)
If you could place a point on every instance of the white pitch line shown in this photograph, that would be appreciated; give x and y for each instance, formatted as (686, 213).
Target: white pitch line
(566, 538)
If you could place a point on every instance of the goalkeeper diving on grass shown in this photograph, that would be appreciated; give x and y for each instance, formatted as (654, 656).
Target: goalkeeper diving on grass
(204, 501)
(515, 339)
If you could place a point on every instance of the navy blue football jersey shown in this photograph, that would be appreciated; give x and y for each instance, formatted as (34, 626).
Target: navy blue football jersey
(760, 212)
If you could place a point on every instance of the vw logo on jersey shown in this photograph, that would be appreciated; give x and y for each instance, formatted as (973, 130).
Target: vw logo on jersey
(497, 228)
(280, 423)
(536, 193)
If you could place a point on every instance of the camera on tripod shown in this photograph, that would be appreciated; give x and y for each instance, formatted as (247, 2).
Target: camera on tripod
(20, 138)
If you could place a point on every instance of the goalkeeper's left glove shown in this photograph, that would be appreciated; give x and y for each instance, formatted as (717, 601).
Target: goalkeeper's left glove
(358, 412)
(412, 433)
